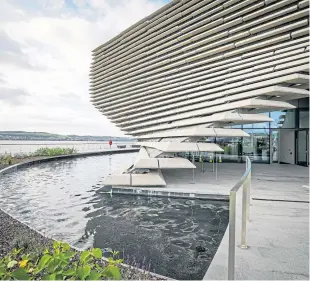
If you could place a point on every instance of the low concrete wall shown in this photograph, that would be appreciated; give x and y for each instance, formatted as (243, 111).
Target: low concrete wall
(170, 194)
(76, 155)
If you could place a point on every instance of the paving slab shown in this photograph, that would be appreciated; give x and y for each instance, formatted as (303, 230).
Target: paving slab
(278, 231)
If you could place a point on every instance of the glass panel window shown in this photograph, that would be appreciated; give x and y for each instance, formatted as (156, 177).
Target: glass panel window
(304, 119)
(258, 125)
(275, 146)
(288, 120)
(257, 146)
(283, 119)
(232, 148)
(234, 127)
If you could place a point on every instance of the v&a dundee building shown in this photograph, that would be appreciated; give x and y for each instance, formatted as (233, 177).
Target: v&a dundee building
(206, 77)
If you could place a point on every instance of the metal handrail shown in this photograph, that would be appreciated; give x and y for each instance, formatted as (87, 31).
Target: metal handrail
(245, 182)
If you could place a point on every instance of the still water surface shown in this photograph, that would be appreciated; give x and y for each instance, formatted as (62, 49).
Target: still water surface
(65, 200)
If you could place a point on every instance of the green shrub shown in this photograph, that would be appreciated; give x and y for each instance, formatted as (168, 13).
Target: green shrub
(55, 151)
(59, 263)
(6, 159)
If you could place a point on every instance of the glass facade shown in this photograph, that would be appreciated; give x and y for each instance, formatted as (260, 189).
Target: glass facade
(263, 144)
(303, 119)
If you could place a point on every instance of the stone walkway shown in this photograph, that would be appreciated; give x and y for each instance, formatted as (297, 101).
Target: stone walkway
(278, 233)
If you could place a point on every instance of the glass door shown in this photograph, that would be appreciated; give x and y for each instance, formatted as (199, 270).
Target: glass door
(302, 147)
(274, 147)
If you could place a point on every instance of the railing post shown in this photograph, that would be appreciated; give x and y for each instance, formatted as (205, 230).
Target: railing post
(244, 213)
(232, 235)
(245, 181)
(193, 161)
(249, 195)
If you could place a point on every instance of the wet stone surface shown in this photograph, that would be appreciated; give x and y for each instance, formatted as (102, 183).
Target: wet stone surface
(65, 199)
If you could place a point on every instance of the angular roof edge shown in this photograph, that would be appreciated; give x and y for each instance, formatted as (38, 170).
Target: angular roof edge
(157, 12)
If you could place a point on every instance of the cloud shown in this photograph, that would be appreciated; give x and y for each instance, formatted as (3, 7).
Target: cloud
(2, 80)
(13, 97)
(45, 54)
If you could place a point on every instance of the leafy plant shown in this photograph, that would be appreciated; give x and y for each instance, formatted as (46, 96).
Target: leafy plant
(46, 151)
(59, 263)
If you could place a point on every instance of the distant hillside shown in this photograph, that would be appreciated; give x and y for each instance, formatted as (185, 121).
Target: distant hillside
(42, 136)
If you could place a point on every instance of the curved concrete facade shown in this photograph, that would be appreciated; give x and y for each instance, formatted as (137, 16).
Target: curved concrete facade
(197, 64)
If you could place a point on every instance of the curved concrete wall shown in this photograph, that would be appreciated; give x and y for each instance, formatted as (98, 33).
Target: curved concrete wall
(76, 155)
(196, 58)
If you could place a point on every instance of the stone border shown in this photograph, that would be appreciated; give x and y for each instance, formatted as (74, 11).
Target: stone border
(59, 157)
(169, 194)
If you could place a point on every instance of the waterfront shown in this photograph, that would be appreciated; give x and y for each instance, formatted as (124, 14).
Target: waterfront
(26, 147)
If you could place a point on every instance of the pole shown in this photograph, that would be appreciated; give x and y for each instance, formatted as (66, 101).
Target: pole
(215, 166)
(193, 161)
(249, 195)
(244, 213)
(232, 235)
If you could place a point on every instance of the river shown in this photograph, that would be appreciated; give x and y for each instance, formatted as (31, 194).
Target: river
(25, 147)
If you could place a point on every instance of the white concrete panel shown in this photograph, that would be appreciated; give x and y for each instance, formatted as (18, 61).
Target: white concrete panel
(229, 118)
(303, 4)
(149, 163)
(197, 132)
(183, 147)
(268, 9)
(175, 163)
(122, 179)
(301, 32)
(148, 179)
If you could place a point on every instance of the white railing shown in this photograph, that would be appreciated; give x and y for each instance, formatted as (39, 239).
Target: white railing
(245, 182)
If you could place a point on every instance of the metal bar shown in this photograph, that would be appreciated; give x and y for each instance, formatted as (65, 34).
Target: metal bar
(245, 182)
(232, 235)
(193, 161)
(215, 166)
(244, 213)
(249, 195)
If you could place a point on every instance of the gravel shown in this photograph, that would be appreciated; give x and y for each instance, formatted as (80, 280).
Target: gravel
(14, 233)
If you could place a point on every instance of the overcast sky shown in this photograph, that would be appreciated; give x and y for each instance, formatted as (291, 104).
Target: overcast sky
(45, 54)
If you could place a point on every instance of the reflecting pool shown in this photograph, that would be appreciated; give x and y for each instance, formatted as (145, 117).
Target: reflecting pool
(65, 200)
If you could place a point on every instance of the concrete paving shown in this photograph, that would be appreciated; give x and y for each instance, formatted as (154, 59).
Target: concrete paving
(278, 231)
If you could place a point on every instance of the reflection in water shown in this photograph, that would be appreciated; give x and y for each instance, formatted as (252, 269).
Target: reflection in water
(66, 200)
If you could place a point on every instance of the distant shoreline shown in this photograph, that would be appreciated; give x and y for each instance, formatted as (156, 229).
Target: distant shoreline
(42, 136)
(52, 142)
